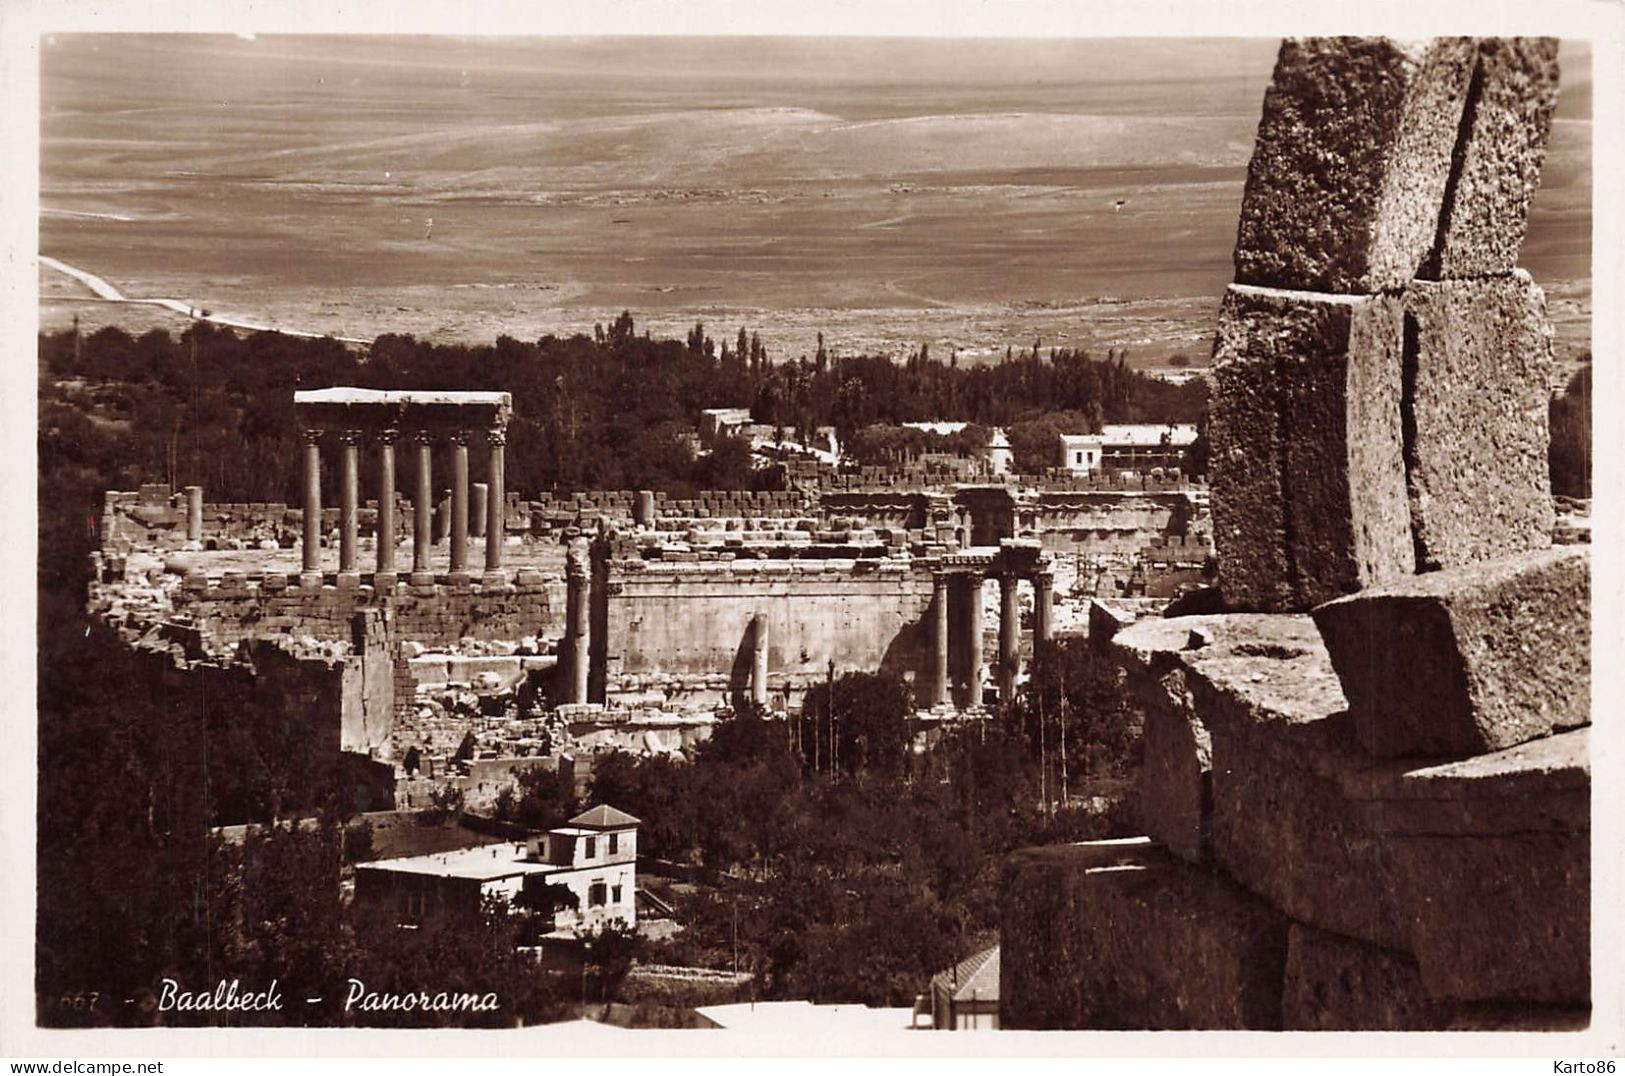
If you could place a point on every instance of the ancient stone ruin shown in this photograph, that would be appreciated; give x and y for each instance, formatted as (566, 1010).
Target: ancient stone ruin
(1366, 787)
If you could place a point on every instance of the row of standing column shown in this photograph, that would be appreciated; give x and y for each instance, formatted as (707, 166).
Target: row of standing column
(965, 689)
(422, 506)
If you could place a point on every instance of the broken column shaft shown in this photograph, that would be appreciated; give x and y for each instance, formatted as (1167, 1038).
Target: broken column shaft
(577, 609)
(758, 663)
(1043, 608)
(194, 513)
(478, 507)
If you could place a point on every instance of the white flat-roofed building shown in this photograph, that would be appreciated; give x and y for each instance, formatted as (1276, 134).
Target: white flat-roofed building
(1132, 446)
(715, 420)
(593, 857)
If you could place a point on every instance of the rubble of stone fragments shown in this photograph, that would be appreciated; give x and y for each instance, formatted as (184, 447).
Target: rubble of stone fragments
(1366, 786)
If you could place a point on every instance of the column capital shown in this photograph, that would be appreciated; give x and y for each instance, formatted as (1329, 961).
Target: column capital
(458, 437)
(422, 437)
(311, 435)
(387, 435)
(352, 437)
(497, 435)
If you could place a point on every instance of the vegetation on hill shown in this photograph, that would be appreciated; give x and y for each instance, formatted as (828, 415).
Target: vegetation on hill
(611, 411)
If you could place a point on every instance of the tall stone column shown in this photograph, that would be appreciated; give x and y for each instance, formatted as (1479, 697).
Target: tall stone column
(385, 576)
(1043, 608)
(349, 496)
(1009, 636)
(939, 637)
(758, 663)
(497, 503)
(194, 513)
(423, 509)
(313, 503)
(577, 617)
(972, 584)
(459, 501)
(479, 506)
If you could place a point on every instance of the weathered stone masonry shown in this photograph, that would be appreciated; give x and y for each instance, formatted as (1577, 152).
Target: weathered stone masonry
(1377, 817)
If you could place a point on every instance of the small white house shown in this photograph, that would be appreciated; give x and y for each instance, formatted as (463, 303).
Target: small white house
(1081, 453)
(593, 858)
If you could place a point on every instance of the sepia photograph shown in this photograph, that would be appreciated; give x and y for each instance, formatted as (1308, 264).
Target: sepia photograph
(810, 538)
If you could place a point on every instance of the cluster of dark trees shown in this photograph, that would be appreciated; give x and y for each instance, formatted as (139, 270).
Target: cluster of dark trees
(612, 411)
(852, 867)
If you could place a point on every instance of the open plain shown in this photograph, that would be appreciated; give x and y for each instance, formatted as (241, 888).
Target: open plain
(970, 195)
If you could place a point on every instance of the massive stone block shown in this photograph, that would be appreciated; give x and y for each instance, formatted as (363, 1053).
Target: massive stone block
(1337, 983)
(1121, 935)
(1351, 160)
(1175, 769)
(1265, 693)
(1489, 861)
(1466, 660)
(1307, 468)
(1496, 165)
(1478, 366)
(1478, 869)
(1174, 785)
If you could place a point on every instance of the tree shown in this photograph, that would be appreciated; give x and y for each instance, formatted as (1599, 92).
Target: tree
(861, 721)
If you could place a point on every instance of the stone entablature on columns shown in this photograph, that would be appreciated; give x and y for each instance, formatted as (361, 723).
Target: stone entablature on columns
(354, 414)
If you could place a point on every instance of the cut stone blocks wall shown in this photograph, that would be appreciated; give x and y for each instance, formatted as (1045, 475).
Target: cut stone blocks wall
(665, 621)
(1489, 862)
(1359, 438)
(1308, 472)
(1468, 660)
(1479, 363)
(1350, 163)
(437, 614)
(1120, 934)
(1175, 781)
(1475, 871)
(1337, 983)
(1497, 165)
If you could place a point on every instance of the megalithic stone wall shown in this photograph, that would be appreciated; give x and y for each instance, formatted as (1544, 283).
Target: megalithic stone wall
(1478, 363)
(1307, 435)
(1377, 816)
(1367, 423)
